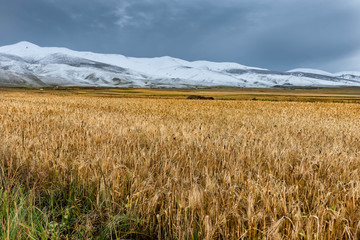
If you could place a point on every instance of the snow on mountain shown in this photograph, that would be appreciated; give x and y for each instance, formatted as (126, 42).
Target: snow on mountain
(309, 70)
(349, 75)
(26, 64)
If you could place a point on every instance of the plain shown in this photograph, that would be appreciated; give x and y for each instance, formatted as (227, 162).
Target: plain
(150, 164)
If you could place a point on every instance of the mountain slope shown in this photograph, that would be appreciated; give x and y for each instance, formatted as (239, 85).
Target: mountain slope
(26, 64)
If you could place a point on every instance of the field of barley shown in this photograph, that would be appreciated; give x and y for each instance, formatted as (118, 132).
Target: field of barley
(87, 167)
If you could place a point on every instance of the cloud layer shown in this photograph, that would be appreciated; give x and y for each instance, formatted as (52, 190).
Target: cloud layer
(280, 35)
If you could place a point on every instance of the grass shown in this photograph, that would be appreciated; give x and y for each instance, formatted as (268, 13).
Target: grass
(92, 166)
(41, 206)
(341, 95)
(349, 93)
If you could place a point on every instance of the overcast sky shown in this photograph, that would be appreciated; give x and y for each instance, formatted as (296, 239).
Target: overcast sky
(274, 34)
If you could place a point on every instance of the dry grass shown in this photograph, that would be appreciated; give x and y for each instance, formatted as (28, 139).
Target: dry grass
(180, 169)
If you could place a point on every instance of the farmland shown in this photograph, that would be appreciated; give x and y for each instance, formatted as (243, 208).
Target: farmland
(151, 164)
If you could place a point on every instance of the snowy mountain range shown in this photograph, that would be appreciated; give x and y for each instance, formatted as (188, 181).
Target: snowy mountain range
(27, 65)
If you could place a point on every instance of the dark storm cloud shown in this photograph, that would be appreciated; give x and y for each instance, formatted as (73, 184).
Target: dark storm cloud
(280, 34)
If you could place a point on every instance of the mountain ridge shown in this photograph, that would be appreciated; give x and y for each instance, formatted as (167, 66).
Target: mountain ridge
(26, 64)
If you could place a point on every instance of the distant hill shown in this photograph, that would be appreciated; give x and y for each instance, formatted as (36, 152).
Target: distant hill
(27, 65)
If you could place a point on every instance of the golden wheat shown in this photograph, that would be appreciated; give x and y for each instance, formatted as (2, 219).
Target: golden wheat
(206, 169)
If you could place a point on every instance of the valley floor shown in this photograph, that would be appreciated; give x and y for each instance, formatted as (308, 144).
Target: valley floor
(85, 163)
(346, 94)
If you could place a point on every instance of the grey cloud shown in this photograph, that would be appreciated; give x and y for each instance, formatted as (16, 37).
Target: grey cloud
(307, 34)
(280, 34)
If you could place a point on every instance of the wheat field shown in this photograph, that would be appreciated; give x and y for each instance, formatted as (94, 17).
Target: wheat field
(81, 167)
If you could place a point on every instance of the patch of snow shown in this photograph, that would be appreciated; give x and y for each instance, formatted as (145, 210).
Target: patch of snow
(310, 70)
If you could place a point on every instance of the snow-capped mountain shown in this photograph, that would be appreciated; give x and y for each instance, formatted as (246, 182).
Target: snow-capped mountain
(26, 64)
